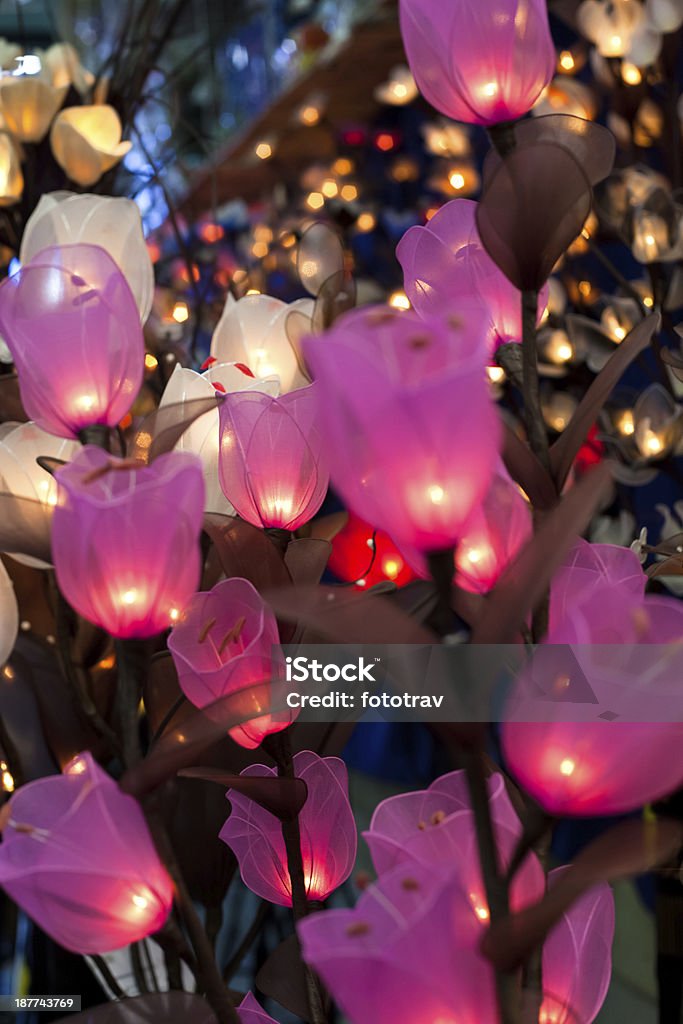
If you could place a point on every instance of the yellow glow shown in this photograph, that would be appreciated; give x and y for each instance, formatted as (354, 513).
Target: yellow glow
(76, 767)
(496, 374)
(399, 300)
(309, 115)
(585, 288)
(615, 42)
(129, 596)
(457, 180)
(282, 506)
(436, 494)
(139, 901)
(343, 166)
(329, 188)
(315, 200)
(489, 89)
(619, 333)
(474, 555)
(567, 767)
(653, 443)
(480, 909)
(6, 778)
(263, 150)
(259, 250)
(648, 301)
(559, 348)
(566, 61)
(174, 614)
(392, 567)
(181, 312)
(630, 73)
(47, 492)
(85, 402)
(366, 222)
(253, 291)
(8, 672)
(151, 362)
(349, 193)
(625, 424)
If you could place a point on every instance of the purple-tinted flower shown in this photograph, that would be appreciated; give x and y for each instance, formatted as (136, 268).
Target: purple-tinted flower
(409, 423)
(271, 466)
(436, 827)
(125, 539)
(595, 718)
(328, 833)
(483, 62)
(71, 323)
(591, 566)
(409, 952)
(250, 1012)
(77, 857)
(445, 265)
(226, 641)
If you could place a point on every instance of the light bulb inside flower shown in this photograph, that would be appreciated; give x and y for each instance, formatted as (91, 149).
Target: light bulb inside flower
(436, 494)
(567, 767)
(559, 349)
(625, 424)
(489, 89)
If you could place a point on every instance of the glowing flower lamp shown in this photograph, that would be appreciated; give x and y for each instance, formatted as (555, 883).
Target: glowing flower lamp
(445, 265)
(202, 437)
(21, 475)
(271, 464)
(352, 555)
(112, 222)
(328, 833)
(589, 567)
(62, 63)
(11, 178)
(225, 641)
(9, 615)
(77, 857)
(610, 24)
(28, 104)
(72, 326)
(125, 539)
(86, 142)
(480, 63)
(253, 331)
(406, 413)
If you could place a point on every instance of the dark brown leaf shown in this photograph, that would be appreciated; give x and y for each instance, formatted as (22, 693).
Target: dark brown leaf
(246, 552)
(527, 470)
(282, 978)
(307, 559)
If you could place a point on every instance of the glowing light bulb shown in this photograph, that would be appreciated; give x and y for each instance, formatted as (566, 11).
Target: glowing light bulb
(489, 89)
(480, 909)
(6, 778)
(653, 443)
(129, 596)
(392, 567)
(174, 614)
(151, 362)
(263, 150)
(566, 61)
(567, 767)
(457, 180)
(181, 312)
(474, 555)
(631, 74)
(496, 374)
(329, 188)
(315, 200)
(436, 494)
(349, 193)
(559, 348)
(76, 767)
(366, 222)
(399, 300)
(139, 901)
(85, 402)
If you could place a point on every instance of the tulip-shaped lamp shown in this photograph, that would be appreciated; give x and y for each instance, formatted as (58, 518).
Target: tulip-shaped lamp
(480, 63)
(410, 428)
(271, 464)
(125, 539)
(77, 857)
(72, 327)
(226, 641)
(28, 103)
(112, 222)
(328, 833)
(86, 142)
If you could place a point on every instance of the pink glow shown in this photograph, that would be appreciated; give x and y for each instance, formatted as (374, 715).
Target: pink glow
(73, 328)
(224, 643)
(125, 539)
(481, 63)
(410, 427)
(328, 833)
(77, 857)
(444, 264)
(271, 465)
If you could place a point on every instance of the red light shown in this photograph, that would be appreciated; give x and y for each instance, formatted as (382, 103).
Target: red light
(351, 557)
(353, 137)
(385, 142)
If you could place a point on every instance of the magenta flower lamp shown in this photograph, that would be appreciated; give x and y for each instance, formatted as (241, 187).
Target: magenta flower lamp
(410, 426)
(328, 833)
(125, 539)
(72, 326)
(444, 264)
(227, 640)
(271, 464)
(77, 857)
(250, 1012)
(481, 63)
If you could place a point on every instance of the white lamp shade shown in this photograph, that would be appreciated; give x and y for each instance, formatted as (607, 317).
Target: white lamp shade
(9, 615)
(86, 142)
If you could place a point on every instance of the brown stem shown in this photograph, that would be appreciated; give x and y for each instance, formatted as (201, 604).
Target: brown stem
(440, 564)
(533, 417)
(279, 747)
(502, 137)
(97, 434)
(495, 883)
(131, 663)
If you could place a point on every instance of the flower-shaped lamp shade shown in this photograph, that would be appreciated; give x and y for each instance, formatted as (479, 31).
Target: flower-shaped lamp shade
(72, 326)
(125, 539)
(23, 477)
(62, 63)
(406, 412)
(250, 1012)
(227, 641)
(611, 26)
(112, 222)
(480, 63)
(28, 104)
(202, 437)
(328, 833)
(86, 142)
(11, 178)
(272, 467)
(253, 331)
(77, 857)
(444, 264)
(588, 567)
(9, 615)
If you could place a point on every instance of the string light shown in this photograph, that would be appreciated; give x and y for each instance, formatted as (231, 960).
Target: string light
(181, 312)
(263, 150)
(399, 300)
